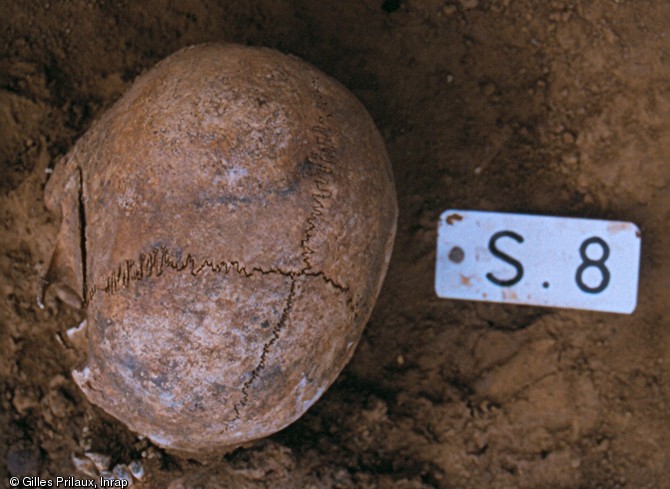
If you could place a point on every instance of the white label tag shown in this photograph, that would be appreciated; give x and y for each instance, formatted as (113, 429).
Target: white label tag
(538, 260)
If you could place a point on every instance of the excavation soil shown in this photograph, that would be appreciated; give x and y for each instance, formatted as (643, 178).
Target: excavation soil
(551, 107)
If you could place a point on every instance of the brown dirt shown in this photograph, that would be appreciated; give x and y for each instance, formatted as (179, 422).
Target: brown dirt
(554, 107)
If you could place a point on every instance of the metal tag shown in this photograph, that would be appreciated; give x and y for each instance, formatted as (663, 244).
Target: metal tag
(538, 260)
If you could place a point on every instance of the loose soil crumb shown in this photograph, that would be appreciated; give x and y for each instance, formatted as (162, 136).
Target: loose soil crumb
(557, 107)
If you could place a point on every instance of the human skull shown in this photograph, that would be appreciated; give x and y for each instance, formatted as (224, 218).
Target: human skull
(227, 225)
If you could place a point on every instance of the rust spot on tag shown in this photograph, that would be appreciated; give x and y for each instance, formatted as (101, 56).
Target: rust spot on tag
(452, 218)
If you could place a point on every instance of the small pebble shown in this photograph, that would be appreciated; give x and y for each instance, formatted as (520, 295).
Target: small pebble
(137, 469)
(100, 461)
(568, 137)
(570, 159)
(75, 330)
(107, 475)
(449, 9)
(22, 461)
(469, 4)
(122, 473)
(84, 465)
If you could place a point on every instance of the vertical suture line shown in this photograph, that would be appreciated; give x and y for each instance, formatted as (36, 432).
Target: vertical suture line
(82, 235)
(255, 373)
